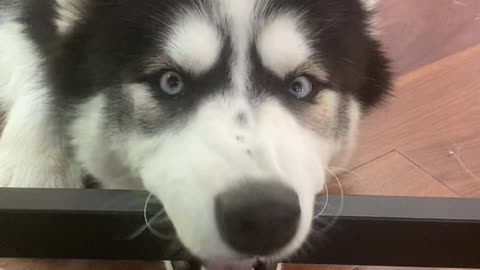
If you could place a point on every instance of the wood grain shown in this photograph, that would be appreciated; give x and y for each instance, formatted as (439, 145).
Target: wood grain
(419, 32)
(436, 109)
(391, 175)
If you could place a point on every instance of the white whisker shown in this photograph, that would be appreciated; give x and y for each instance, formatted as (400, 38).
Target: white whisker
(340, 209)
(326, 201)
(344, 170)
(148, 222)
(149, 226)
(145, 226)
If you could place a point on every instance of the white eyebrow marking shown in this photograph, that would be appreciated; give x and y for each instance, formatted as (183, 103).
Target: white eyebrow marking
(195, 44)
(281, 45)
(69, 12)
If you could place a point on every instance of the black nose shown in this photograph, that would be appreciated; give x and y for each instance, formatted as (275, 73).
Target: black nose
(258, 218)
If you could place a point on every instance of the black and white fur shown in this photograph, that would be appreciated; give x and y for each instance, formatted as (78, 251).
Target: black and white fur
(79, 85)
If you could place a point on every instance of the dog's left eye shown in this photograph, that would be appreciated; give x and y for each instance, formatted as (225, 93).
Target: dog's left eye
(302, 87)
(171, 83)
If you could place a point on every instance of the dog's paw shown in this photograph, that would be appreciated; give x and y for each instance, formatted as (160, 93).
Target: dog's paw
(22, 169)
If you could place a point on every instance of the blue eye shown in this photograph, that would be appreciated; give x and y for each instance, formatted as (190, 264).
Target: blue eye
(171, 83)
(301, 87)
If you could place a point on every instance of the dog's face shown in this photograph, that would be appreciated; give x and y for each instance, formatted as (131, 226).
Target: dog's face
(230, 111)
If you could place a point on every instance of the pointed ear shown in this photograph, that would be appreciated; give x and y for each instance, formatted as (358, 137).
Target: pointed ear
(69, 13)
(379, 78)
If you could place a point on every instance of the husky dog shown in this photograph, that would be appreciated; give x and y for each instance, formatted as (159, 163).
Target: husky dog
(229, 111)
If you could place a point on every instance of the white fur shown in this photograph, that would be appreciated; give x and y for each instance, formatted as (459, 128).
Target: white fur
(350, 141)
(370, 5)
(281, 151)
(69, 12)
(282, 46)
(348, 144)
(373, 27)
(32, 153)
(95, 149)
(325, 115)
(19, 65)
(195, 43)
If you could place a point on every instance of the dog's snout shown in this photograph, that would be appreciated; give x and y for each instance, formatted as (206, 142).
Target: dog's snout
(258, 218)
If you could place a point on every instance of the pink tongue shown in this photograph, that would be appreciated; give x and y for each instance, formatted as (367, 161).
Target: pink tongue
(229, 266)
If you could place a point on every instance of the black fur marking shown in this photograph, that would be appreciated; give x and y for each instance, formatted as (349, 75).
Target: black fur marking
(242, 119)
(337, 31)
(177, 109)
(39, 17)
(379, 79)
(110, 46)
(240, 138)
(89, 182)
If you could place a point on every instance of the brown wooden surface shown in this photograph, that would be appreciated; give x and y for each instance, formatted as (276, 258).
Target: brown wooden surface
(434, 121)
(426, 142)
(392, 175)
(419, 32)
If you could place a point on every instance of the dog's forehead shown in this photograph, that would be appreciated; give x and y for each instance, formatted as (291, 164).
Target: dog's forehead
(194, 42)
(200, 32)
(281, 44)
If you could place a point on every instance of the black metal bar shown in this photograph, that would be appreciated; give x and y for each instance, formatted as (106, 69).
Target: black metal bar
(98, 224)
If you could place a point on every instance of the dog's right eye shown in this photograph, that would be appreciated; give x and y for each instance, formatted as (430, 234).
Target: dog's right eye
(171, 83)
(301, 87)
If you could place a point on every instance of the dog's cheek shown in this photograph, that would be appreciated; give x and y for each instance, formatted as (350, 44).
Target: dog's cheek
(334, 117)
(322, 116)
(179, 173)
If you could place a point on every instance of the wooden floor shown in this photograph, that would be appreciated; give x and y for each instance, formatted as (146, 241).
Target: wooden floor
(426, 141)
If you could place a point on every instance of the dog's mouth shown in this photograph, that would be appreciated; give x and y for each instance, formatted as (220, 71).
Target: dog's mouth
(246, 264)
(239, 265)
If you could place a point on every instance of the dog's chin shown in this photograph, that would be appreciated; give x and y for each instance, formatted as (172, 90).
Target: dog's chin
(239, 264)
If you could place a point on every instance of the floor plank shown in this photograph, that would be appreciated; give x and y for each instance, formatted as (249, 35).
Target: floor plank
(454, 161)
(435, 108)
(391, 175)
(419, 32)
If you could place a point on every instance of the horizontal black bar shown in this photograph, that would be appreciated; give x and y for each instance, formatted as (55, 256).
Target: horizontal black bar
(100, 224)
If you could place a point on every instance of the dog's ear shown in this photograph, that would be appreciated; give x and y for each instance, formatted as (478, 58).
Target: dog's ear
(378, 80)
(378, 84)
(69, 13)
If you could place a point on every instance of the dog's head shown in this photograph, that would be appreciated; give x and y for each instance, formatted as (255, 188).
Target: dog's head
(230, 111)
